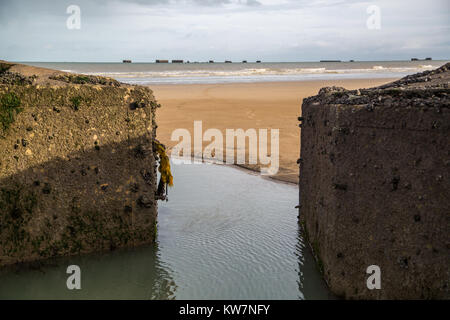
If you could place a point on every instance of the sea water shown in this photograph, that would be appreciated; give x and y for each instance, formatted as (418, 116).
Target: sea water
(204, 73)
(225, 233)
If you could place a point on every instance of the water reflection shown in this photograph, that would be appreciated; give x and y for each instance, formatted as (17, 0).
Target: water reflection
(310, 283)
(224, 234)
(230, 234)
(123, 274)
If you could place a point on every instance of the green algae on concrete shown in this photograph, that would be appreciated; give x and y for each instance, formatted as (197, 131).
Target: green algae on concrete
(68, 169)
(9, 108)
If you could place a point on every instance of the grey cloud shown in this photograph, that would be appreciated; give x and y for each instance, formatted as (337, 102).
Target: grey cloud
(253, 3)
(287, 30)
(206, 3)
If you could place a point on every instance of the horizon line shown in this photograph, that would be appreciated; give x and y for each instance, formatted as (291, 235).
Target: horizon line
(236, 61)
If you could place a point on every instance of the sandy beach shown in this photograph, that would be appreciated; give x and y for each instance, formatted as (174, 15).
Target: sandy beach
(271, 105)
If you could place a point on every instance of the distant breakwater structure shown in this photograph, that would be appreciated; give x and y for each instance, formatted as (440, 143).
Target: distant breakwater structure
(374, 186)
(78, 164)
(178, 61)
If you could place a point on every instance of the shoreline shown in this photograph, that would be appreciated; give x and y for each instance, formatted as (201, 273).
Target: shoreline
(271, 81)
(249, 169)
(268, 82)
(258, 105)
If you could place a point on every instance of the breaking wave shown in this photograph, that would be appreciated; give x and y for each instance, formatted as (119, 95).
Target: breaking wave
(255, 72)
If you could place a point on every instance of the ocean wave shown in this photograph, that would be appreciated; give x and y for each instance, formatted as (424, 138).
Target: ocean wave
(255, 72)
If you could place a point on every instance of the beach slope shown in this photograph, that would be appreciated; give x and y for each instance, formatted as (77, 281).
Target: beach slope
(272, 105)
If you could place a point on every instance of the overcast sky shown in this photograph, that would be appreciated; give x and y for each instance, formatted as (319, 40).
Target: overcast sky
(197, 30)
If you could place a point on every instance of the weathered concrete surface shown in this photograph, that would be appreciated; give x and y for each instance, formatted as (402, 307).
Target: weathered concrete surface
(77, 167)
(375, 183)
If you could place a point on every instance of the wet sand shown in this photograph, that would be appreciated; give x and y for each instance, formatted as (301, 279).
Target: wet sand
(271, 105)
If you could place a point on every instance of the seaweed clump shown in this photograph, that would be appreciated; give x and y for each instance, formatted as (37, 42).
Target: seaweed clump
(166, 178)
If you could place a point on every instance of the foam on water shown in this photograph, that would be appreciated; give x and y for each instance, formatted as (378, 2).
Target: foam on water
(152, 73)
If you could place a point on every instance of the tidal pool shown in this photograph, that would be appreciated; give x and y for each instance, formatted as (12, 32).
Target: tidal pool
(225, 233)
